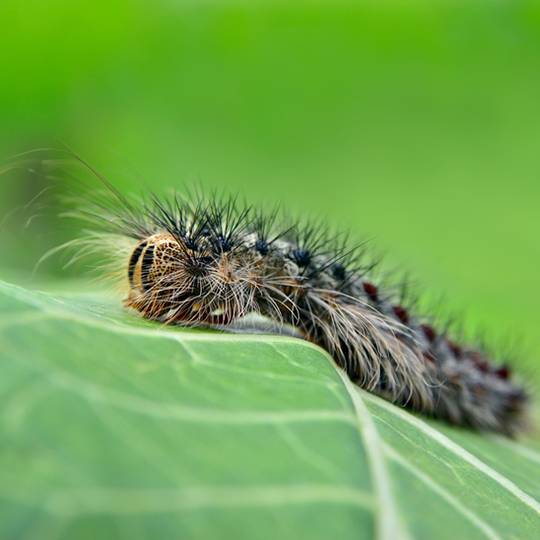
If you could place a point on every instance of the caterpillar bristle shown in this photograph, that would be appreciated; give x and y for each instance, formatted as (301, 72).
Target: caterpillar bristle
(199, 260)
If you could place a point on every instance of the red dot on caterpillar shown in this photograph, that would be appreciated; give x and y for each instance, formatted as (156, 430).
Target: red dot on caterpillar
(371, 290)
(429, 332)
(401, 313)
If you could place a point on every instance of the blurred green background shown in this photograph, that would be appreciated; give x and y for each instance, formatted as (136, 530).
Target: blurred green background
(416, 124)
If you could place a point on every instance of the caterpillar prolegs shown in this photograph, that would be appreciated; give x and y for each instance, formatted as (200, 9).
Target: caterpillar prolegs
(212, 261)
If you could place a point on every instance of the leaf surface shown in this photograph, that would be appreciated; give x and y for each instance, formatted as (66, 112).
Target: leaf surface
(113, 427)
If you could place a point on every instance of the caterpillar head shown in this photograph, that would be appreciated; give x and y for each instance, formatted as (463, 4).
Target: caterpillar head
(175, 281)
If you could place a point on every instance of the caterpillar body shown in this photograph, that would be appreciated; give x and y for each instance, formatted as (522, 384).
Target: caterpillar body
(212, 261)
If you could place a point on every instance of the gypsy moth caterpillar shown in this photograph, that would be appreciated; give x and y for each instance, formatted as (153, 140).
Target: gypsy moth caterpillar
(211, 261)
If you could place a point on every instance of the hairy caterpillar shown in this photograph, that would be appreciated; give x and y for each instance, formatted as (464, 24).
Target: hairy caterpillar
(212, 261)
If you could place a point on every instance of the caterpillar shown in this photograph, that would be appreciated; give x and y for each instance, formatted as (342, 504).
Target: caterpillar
(212, 261)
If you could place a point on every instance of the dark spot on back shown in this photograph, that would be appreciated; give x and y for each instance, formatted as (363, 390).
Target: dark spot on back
(503, 372)
(302, 257)
(401, 313)
(483, 366)
(371, 290)
(338, 271)
(222, 244)
(457, 351)
(479, 361)
(429, 332)
(262, 246)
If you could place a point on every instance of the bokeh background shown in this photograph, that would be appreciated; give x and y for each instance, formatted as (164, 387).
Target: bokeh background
(416, 124)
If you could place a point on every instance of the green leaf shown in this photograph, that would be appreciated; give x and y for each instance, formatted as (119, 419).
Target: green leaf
(113, 427)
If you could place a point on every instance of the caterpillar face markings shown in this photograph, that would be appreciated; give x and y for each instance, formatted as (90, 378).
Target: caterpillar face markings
(213, 261)
(134, 261)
